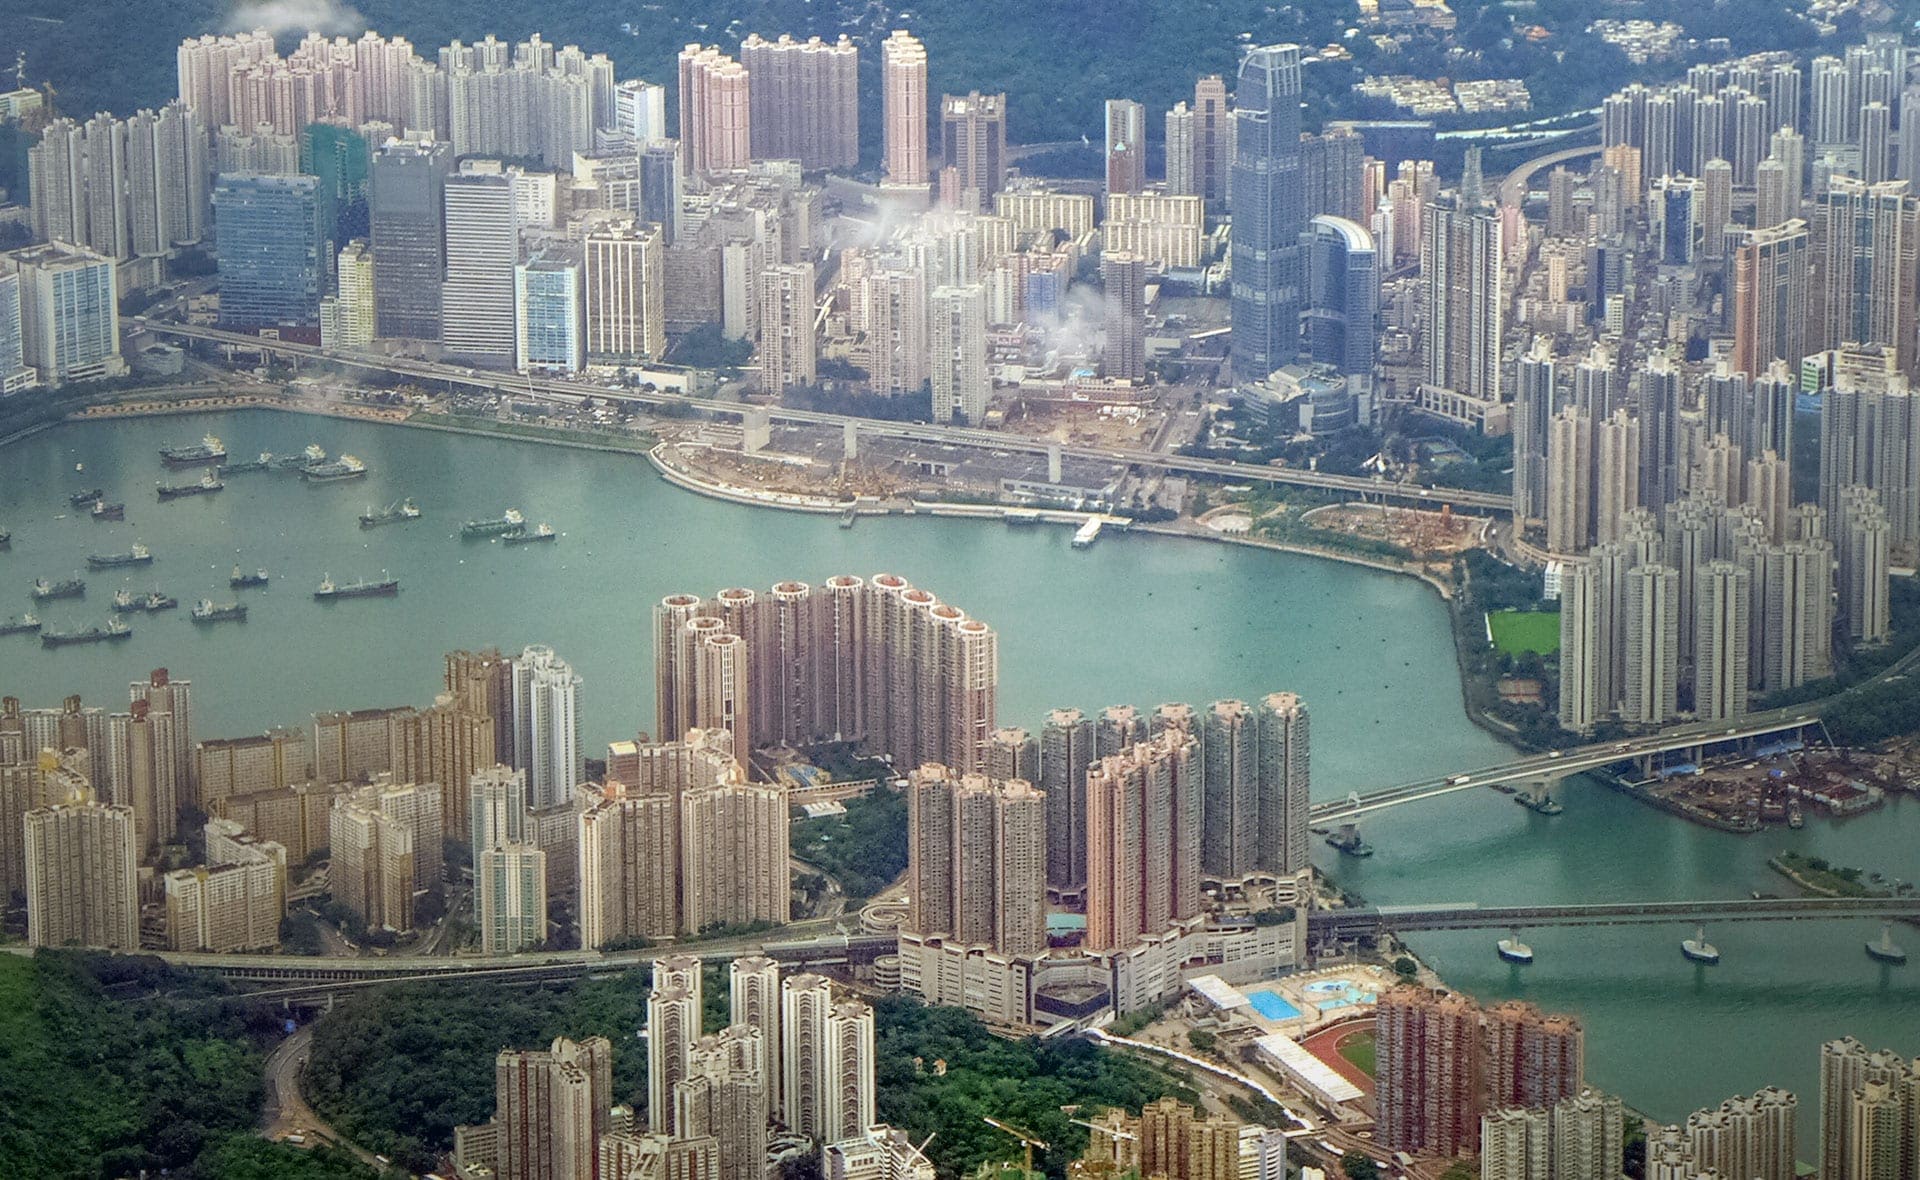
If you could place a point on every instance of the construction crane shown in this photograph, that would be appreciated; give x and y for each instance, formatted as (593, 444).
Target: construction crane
(1107, 1129)
(1027, 1142)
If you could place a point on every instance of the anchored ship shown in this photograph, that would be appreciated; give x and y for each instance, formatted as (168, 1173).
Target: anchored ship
(242, 579)
(105, 511)
(209, 611)
(543, 533)
(124, 600)
(209, 450)
(115, 629)
(138, 555)
(508, 522)
(385, 588)
(312, 455)
(260, 462)
(208, 485)
(82, 499)
(21, 625)
(396, 511)
(345, 467)
(6, 539)
(44, 590)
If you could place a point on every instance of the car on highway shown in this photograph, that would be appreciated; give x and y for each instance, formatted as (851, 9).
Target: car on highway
(1458, 780)
(1554, 753)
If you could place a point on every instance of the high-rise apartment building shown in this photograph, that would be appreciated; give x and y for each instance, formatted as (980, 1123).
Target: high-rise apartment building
(903, 109)
(406, 210)
(1460, 271)
(1268, 200)
(1124, 277)
(1144, 816)
(828, 1058)
(546, 726)
(271, 244)
(1429, 1053)
(715, 112)
(1066, 751)
(1866, 238)
(787, 341)
(236, 901)
(1125, 146)
(977, 860)
(347, 316)
(80, 868)
(551, 1107)
(386, 841)
(1255, 771)
(640, 110)
(1182, 176)
(973, 149)
(957, 341)
(754, 1002)
(687, 844)
(1856, 1086)
(510, 893)
(1578, 1138)
(1722, 623)
(724, 1097)
(804, 100)
(1770, 292)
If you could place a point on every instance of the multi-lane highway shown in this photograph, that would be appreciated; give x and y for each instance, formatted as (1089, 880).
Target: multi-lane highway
(1350, 923)
(574, 392)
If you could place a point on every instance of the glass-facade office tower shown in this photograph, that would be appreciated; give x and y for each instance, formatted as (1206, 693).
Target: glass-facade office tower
(1269, 212)
(272, 262)
(407, 216)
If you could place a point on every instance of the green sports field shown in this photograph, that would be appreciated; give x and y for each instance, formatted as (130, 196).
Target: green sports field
(1519, 631)
(1359, 1049)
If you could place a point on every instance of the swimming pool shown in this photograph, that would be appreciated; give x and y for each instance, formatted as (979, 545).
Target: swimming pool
(1331, 994)
(1272, 1005)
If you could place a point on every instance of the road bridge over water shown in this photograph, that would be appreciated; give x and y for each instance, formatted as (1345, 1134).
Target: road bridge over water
(1409, 919)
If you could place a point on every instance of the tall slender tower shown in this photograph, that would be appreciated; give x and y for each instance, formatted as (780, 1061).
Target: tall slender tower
(546, 710)
(903, 101)
(1066, 750)
(754, 998)
(1269, 212)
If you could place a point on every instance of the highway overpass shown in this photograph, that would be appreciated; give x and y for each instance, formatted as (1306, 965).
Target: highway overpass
(574, 392)
(1555, 765)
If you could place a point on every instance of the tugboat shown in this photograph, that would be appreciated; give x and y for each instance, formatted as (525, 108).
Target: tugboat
(241, 580)
(1699, 949)
(313, 455)
(105, 511)
(211, 612)
(345, 467)
(115, 629)
(210, 450)
(44, 590)
(208, 485)
(21, 625)
(385, 588)
(543, 533)
(509, 522)
(82, 499)
(396, 511)
(260, 463)
(138, 555)
(1885, 950)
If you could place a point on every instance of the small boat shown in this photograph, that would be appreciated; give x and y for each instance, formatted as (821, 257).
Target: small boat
(1513, 950)
(345, 467)
(1350, 844)
(1087, 533)
(241, 579)
(6, 539)
(385, 588)
(508, 522)
(82, 499)
(105, 511)
(1796, 818)
(138, 555)
(115, 629)
(847, 518)
(543, 533)
(1699, 949)
(1886, 950)
(396, 511)
(20, 626)
(124, 600)
(1545, 806)
(208, 450)
(312, 455)
(44, 590)
(209, 611)
(259, 463)
(208, 485)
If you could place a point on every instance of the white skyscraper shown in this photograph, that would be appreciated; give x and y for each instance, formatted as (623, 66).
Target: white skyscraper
(483, 244)
(640, 110)
(957, 339)
(546, 726)
(510, 887)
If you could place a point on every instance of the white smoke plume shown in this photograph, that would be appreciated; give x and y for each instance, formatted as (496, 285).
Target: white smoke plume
(296, 16)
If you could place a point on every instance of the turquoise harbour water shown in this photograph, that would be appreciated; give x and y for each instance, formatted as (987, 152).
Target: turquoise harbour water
(1133, 619)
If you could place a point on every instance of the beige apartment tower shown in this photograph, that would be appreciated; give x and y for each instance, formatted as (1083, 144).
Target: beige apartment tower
(80, 871)
(977, 860)
(903, 107)
(715, 112)
(805, 102)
